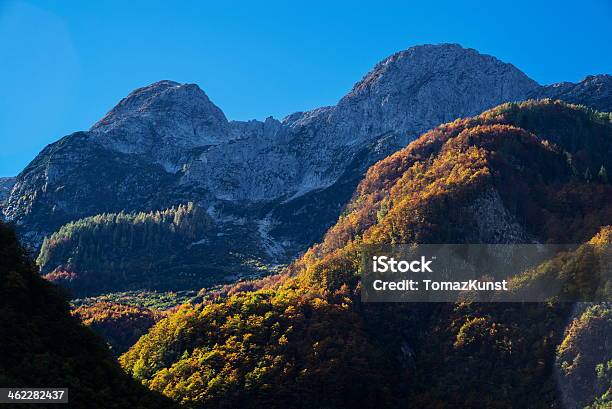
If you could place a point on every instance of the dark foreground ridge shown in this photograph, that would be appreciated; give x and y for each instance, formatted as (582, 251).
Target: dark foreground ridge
(42, 345)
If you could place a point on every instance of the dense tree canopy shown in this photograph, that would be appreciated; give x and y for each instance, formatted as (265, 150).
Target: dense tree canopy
(112, 251)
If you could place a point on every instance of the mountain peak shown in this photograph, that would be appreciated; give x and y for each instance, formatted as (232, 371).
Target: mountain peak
(423, 62)
(162, 120)
(158, 98)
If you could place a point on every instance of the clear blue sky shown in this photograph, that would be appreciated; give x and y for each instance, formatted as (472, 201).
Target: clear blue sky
(63, 64)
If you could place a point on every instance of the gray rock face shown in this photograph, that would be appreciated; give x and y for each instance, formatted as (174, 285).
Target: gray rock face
(6, 185)
(277, 185)
(594, 91)
(495, 224)
(164, 121)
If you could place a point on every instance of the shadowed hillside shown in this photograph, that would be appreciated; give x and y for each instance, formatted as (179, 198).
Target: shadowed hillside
(42, 345)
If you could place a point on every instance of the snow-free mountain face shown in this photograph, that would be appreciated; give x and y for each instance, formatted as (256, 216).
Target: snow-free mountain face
(594, 91)
(274, 185)
(6, 185)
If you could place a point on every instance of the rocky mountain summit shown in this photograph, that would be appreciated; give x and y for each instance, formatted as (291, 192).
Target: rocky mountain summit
(272, 187)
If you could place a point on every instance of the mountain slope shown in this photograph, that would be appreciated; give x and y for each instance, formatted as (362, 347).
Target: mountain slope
(6, 185)
(583, 360)
(42, 345)
(121, 325)
(515, 174)
(594, 91)
(272, 188)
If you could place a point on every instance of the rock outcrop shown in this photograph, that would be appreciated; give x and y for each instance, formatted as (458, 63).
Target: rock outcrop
(6, 185)
(594, 91)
